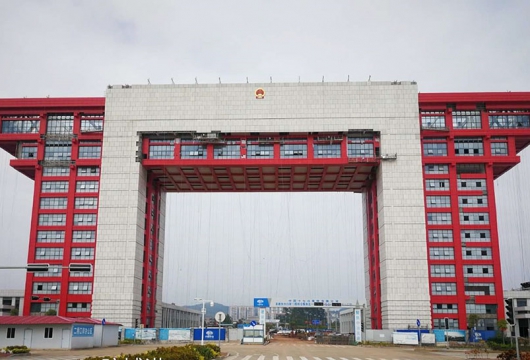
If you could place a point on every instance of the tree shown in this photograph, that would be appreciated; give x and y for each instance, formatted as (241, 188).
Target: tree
(472, 320)
(13, 312)
(502, 325)
(227, 320)
(51, 312)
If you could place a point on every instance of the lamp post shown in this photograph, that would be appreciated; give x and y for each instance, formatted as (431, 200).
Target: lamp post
(203, 311)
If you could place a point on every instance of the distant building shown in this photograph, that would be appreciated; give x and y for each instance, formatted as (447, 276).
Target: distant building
(11, 300)
(174, 316)
(243, 312)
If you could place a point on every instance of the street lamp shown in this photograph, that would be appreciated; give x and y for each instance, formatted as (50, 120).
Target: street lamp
(203, 311)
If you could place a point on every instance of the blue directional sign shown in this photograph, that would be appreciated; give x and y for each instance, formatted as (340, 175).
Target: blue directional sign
(253, 323)
(261, 302)
(103, 322)
(315, 322)
(418, 323)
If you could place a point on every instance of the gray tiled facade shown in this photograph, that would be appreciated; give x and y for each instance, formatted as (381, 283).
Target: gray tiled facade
(299, 107)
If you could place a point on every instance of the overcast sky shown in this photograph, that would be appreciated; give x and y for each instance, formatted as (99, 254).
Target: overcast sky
(261, 245)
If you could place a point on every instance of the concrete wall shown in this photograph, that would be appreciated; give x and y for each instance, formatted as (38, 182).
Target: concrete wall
(304, 107)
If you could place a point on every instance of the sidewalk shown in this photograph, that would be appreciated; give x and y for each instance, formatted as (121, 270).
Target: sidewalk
(106, 351)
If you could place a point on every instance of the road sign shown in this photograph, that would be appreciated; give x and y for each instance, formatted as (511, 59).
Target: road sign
(418, 323)
(316, 322)
(253, 323)
(220, 317)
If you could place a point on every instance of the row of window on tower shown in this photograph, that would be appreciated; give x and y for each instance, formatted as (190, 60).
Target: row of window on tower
(39, 308)
(293, 149)
(63, 186)
(58, 236)
(74, 287)
(497, 119)
(468, 253)
(52, 253)
(60, 151)
(55, 124)
(465, 146)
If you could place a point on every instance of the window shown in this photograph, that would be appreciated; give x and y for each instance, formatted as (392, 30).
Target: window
(60, 124)
(438, 218)
(480, 289)
(191, 149)
(78, 307)
(440, 235)
(161, 151)
(53, 271)
(441, 253)
(442, 271)
(471, 184)
(84, 219)
(434, 149)
(472, 201)
(87, 171)
(499, 148)
(474, 218)
(86, 203)
(357, 147)
(230, 150)
(478, 270)
(55, 171)
(89, 152)
(466, 120)
(293, 148)
(54, 186)
(48, 333)
(436, 169)
(443, 288)
(469, 147)
(509, 119)
(52, 219)
(440, 323)
(475, 236)
(476, 253)
(432, 119)
(53, 203)
(48, 253)
(436, 185)
(58, 150)
(28, 152)
(91, 123)
(438, 201)
(50, 236)
(80, 288)
(46, 287)
(84, 236)
(260, 149)
(10, 333)
(20, 124)
(327, 150)
(86, 186)
(470, 169)
(445, 308)
(82, 254)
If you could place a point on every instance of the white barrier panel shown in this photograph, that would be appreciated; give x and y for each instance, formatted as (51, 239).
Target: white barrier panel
(405, 338)
(427, 338)
(179, 335)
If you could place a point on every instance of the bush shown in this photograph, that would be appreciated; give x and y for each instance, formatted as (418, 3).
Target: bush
(512, 355)
(131, 341)
(20, 351)
(187, 352)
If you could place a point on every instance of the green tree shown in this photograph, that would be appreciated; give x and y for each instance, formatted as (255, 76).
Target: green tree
(472, 320)
(51, 312)
(228, 320)
(13, 312)
(502, 325)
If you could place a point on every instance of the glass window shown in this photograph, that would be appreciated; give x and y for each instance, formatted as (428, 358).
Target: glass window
(161, 151)
(443, 288)
(86, 203)
(60, 124)
(440, 235)
(293, 148)
(438, 201)
(470, 169)
(48, 253)
(78, 307)
(80, 288)
(440, 323)
(53, 203)
(228, 151)
(475, 235)
(432, 120)
(86, 236)
(11, 332)
(478, 270)
(436, 169)
(20, 124)
(327, 150)
(82, 254)
(28, 152)
(50, 236)
(476, 253)
(55, 171)
(445, 308)
(434, 149)
(441, 253)
(192, 151)
(360, 149)
(474, 218)
(88, 171)
(466, 120)
(438, 218)
(86, 186)
(259, 150)
(471, 184)
(46, 287)
(52, 219)
(499, 149)
(509, 119)
(58, 150)
(469, 147)
(53, 271)
(48, 333)
(473, 201)
(89, 152)
(436, 185)
(480, 289)
(91, 123)
(84, 219)
(54, 186)
(442, 271)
